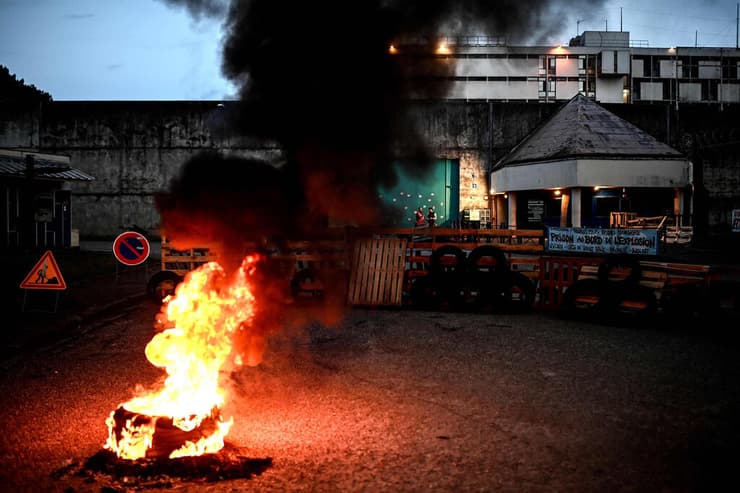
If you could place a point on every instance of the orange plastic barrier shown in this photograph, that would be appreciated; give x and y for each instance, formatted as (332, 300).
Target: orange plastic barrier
(556, 275)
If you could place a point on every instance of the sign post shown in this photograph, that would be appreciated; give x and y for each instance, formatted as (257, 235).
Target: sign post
(131, 248)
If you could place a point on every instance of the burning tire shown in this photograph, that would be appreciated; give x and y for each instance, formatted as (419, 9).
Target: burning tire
(161, 285)
(133, 435)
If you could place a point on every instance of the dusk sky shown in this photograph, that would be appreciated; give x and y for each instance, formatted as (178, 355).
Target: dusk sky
(148, 50)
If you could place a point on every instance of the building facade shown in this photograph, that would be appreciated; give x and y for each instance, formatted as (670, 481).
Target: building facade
(604, 66)
(495, 97)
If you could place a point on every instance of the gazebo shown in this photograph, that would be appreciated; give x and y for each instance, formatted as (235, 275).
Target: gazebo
(585, 166)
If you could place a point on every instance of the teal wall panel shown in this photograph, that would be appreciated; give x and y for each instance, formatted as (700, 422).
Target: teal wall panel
(438, 186)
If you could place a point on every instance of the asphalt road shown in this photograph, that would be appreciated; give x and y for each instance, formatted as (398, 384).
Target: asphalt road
(408, 401)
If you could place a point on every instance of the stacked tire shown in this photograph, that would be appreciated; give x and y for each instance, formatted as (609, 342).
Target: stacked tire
(480, 280)
(494, 284)
(617, 298)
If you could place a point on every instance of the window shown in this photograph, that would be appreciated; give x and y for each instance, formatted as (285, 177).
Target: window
(729, 69)
(709, 90)
(689, 69)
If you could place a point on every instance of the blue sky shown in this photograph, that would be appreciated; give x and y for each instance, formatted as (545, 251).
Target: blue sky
(146, 50)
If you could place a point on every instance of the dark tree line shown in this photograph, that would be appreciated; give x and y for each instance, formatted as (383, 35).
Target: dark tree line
(13, 90)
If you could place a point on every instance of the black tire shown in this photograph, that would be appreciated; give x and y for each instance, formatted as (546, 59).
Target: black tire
(679, 304)
(438, 269)
(574, 306)
(423, 294)
(302, 277)
(637, 304)
(520, 293)
(161, 285)
(500, 263)
(620, 261)
(448, 280)
(490, 283)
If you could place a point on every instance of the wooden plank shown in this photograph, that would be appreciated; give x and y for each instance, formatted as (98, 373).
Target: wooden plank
(470, 246)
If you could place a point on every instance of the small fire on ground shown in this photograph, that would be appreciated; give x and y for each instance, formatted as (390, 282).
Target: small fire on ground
(183, 416)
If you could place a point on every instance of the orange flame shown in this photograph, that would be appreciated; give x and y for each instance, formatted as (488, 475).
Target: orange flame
(205, 314)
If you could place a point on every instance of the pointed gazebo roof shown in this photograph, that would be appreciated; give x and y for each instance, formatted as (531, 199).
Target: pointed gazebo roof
(582, 128)
(583, 145)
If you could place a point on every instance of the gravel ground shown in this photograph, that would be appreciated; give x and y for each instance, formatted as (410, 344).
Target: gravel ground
(400, 400)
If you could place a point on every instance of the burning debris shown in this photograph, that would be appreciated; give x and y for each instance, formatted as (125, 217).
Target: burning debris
(201, 322)
(105, 469)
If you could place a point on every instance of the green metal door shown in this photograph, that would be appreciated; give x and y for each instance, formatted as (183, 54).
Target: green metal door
(438, 186)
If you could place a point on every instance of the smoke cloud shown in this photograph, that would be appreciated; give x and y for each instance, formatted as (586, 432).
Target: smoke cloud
(318, 79)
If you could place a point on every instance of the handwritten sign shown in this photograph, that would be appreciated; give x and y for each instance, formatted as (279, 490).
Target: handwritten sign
(603, 241)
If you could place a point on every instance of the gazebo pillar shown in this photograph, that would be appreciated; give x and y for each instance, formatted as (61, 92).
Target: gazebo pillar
(575, 207)
(512, 210)
(500, 210)
(564, 200)
(678, 206)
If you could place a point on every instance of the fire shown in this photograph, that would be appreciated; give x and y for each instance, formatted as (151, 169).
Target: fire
(202, 319)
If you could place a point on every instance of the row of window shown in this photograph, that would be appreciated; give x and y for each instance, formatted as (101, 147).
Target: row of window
(704, 90)
(641, 65)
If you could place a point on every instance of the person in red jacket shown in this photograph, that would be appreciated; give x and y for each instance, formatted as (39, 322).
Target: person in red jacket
(419, 214)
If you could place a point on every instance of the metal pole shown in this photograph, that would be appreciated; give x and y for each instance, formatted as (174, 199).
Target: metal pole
(737, 26)
(620, 19)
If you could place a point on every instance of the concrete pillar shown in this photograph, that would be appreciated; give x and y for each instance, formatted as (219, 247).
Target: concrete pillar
(512, 210)
(564, 201)
(678, 206)
(575, 207)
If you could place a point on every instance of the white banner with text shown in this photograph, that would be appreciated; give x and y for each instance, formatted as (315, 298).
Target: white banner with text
(603, 241)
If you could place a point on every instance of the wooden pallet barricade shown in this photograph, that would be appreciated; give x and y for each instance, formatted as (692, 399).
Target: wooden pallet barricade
(377, 269)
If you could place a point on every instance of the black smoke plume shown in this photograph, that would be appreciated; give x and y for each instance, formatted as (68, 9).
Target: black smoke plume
(318, 79)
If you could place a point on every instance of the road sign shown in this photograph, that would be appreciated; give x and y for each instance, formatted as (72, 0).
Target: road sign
(131, 248)
(45, 274)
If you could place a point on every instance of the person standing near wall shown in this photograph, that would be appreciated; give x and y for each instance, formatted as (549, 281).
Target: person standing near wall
(432, 217)
(419, 215)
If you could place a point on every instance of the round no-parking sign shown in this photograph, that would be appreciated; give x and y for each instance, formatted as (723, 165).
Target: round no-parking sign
(131, 248)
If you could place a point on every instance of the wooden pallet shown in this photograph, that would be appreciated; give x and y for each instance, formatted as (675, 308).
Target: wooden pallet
(376, 275)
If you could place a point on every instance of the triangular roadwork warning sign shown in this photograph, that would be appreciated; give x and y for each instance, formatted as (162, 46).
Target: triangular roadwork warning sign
(45, 274)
